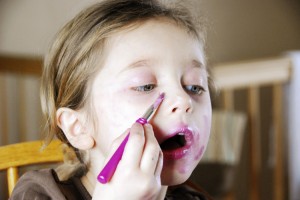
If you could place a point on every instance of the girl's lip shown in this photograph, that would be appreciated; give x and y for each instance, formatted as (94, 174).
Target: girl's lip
(180, 152)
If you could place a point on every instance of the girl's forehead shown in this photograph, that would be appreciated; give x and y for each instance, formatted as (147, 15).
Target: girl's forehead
(150, 41)
(147, 26)
(152, 31)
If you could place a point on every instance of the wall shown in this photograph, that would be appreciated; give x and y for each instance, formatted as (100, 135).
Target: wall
(238, 30)
(27, 27)
(242, 30)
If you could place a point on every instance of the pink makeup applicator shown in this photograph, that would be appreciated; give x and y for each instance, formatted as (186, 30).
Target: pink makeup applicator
(110, 167)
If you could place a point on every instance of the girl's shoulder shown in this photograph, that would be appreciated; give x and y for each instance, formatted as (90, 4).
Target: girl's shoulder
(37, 184)
(44, 184)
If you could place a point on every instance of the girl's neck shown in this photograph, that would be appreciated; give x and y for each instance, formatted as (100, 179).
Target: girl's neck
(89, 182)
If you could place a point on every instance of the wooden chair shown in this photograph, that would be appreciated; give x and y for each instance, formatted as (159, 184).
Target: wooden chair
(24, 154)
(251, 77)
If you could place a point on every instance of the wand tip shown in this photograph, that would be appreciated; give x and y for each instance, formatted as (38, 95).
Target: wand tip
(159, 100)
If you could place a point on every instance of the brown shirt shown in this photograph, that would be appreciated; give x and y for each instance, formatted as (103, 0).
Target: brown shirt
(44, 184)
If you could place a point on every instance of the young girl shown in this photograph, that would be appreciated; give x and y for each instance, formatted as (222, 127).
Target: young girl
(106, 66)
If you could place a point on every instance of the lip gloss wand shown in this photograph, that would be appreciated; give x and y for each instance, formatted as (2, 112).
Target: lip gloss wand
(110, 167)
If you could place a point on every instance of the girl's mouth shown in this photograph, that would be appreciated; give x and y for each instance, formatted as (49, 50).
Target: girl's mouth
(177, 144)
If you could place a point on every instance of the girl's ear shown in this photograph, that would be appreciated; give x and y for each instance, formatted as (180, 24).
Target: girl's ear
(73, 127)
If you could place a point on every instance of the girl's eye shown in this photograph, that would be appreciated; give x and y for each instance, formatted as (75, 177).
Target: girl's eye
(145, 88)
(195, 89)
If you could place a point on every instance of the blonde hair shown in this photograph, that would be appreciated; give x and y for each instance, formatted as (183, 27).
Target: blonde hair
(71, 62)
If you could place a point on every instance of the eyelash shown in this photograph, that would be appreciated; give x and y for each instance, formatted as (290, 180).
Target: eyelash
(145, 88)
(194, 89)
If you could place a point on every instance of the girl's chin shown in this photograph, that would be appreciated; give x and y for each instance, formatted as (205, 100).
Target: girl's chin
(170, 178)
(173, 181)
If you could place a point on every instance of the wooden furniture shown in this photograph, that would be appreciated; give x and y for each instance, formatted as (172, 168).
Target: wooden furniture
(32, 66)
(17, 155)
(251, 76)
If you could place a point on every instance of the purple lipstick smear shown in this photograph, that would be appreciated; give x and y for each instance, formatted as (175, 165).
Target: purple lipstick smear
(178, 144)
(110, 167)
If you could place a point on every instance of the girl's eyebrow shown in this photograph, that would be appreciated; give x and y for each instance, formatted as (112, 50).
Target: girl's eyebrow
(197, 64)
(142, 63)
(139, 63)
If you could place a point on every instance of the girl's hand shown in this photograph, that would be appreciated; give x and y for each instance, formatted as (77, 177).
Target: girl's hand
(138, 173)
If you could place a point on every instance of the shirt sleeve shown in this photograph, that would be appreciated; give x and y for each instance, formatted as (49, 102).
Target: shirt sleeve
(37, 185)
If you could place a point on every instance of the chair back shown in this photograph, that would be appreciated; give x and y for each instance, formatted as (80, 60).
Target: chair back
(14, 156)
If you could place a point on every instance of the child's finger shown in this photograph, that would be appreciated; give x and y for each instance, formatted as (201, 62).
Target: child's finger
(159, 166)
(134, 147)
(151, 151)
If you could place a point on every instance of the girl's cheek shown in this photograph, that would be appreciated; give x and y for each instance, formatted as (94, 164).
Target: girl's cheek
(199, 154)
(207, 126)
(141, 100)
(203, 137)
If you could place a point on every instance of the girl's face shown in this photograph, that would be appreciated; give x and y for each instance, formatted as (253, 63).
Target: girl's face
(155, 57)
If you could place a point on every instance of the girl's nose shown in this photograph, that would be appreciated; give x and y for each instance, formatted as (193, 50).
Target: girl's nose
(179, 102)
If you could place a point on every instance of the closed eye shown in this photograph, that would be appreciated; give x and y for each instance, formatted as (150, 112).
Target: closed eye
(144, 88)
(195, 89)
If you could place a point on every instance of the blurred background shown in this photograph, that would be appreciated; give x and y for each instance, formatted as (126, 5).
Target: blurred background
(238, 32)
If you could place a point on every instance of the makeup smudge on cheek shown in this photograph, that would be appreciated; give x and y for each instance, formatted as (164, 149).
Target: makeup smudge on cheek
(181, 167)
(196, 149)
(182, 170)
(185, 168)
(205, 135)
